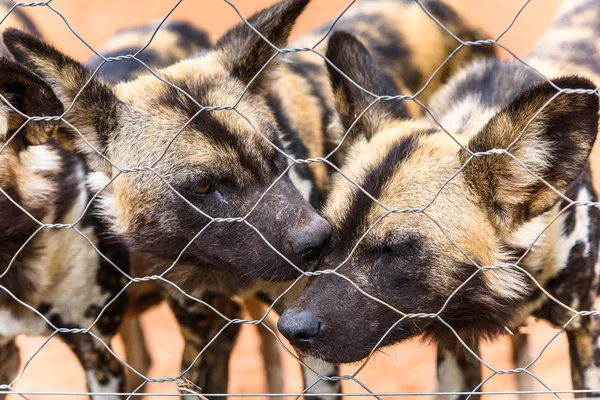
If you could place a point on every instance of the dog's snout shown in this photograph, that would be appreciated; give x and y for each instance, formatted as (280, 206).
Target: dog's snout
(301, 328)
(309, 239)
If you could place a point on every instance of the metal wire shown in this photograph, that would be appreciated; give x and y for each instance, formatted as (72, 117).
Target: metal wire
(149, 167)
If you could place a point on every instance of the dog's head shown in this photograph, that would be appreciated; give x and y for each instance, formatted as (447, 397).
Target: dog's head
(450, 215)
(206, 165)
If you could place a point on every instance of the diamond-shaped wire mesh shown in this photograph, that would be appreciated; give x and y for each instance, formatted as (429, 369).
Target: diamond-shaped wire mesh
(54, 328)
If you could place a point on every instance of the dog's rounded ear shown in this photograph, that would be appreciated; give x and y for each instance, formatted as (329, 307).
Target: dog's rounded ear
(245, 52)
(550, 134)
(26, 95)
(354, 74)
(92, 104)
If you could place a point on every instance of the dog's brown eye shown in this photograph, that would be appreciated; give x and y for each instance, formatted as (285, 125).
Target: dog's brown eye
(204, 187)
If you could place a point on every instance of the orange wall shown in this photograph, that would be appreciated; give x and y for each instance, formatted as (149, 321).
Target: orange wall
(95, 20)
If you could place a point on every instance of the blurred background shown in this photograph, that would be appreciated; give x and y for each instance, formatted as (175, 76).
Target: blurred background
(409, 367)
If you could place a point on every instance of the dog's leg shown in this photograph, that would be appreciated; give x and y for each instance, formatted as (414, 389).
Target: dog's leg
(9, 363)
(457, 369)
(269, 346)
(522, 357)
(324, 386)
(199, 325)
(136, 352)
(585, 355)
(103, 372)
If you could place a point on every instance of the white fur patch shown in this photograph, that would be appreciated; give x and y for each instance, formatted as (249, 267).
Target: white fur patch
(324, 369)
(30, 324)
(462, 116)
(592, 377)
(450, 375)
(579, 234)
(112, 386)
(304, 186)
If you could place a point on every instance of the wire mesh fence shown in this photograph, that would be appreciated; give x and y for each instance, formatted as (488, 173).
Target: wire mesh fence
(275, 294)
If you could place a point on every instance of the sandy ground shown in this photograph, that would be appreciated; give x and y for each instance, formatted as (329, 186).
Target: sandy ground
(408, 368)
(405, 368)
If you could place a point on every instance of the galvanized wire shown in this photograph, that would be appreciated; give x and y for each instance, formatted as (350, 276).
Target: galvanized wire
(149, 167)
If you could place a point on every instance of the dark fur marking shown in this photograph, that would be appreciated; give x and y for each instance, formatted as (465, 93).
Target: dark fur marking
(66, 180)
(350, 56)
(248, 52)
(354, 223)
(199, 324)
(124, 70)
(97, 99)
(575, 133)
(189, 39)
(293, 146)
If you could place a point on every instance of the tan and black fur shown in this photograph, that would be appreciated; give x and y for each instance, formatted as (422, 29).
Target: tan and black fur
(51, 267)
(136, 124)
(403, 39)
(173, 42)
(451, 212)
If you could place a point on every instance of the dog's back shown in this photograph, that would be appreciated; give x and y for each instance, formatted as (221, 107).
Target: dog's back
(404, 40)
(172, 42)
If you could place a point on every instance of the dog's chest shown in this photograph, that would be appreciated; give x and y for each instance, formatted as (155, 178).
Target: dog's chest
(562, 256)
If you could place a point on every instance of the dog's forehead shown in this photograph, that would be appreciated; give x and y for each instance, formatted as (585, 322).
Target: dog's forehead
(407, 167)
(378, 165)
(193, 114)
(204, 78)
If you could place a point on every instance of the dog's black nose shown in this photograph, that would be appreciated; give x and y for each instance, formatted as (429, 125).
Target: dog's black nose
(309, 238)
(299, 327)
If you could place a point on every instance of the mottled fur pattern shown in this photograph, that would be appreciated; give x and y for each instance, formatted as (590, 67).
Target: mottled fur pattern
(568, 46)
(218, 163)
(404, 40)
(489, 214)
(173, 42)
(132, 122)
(53, 270)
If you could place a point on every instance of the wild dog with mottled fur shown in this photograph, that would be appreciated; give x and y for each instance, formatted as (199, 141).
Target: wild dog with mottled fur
(218, 164)
(54, 272)
(173, 42)
(457, 222)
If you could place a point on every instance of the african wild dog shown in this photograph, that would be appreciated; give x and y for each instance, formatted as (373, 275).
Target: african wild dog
(54, 270)
(218, 163)
(174, 42)
(452, 212)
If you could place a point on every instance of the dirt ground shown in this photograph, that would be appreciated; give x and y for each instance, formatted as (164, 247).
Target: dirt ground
(405, 368)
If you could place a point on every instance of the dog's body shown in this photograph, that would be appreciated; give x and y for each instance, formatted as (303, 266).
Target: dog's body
(53, 271)
(455, 212)
(173, 42)
(566, 259)
(218, 167)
